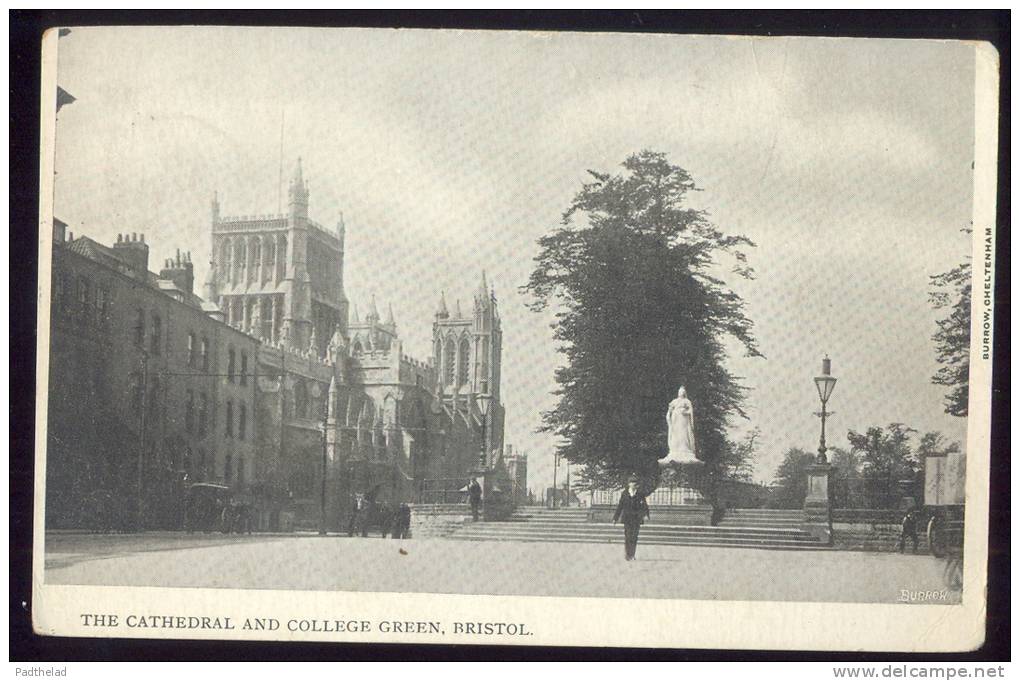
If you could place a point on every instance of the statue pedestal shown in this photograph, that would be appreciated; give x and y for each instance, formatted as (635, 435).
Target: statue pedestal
(817, 509)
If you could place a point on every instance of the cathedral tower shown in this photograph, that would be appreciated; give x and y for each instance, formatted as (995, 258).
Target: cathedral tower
(280, 277)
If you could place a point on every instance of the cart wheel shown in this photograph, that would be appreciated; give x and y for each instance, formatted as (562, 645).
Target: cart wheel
(936, 538)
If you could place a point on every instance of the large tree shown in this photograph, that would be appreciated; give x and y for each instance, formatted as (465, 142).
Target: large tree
(950, 295)
(888, 461)
(636, 277)
(791, 479)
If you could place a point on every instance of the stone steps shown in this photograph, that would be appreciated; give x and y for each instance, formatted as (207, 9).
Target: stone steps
(664, 536)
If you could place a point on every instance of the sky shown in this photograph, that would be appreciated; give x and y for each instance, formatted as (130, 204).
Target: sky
(848, 163)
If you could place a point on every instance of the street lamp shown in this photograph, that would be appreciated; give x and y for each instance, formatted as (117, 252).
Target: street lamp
(322, 497)
(825, 384)
(483, 409)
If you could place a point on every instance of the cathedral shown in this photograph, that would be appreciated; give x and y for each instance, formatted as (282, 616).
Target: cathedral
(270, 386)
(397, 428)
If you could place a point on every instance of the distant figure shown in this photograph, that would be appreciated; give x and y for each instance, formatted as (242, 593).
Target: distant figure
(680, 419)
(908, 528)
(634, 510)
(402, 522)
(475, 496)
(359, 516)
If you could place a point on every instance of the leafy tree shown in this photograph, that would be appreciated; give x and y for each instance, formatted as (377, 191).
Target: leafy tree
(887, 460)
(846, 477)
(791, 478)
(950, 292)
(737, 462)
(634, 274)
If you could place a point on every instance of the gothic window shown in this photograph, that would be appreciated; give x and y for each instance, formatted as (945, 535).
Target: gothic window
(240, 253)
(229, 432)
(268, 257)
(231, 356)
(205, 354)
(485, 367)
(462, 363)
(157, 334)
(244, 368)
(281, 257)
(192, 350)
(356, 348)
(449, 359)
(242, 422)
(256, 254)
(300, 399)
(226, 260)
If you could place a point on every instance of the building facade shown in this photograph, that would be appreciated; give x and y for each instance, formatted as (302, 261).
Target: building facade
(147, 393)
(270, 385)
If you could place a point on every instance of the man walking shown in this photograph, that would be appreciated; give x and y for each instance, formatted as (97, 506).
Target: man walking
(475, 495)
(634, 510)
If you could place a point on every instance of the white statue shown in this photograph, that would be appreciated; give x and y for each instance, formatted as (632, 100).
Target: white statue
(680, 419)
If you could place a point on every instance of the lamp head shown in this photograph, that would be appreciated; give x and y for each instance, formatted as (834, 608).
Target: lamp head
(826, 382)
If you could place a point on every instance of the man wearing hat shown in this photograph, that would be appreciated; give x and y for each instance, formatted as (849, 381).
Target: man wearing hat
(633, 509)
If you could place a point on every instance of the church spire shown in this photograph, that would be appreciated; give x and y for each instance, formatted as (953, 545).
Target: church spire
(298, 192)
(389, 316)
(442, 312)
(373, 313)
(354, 314)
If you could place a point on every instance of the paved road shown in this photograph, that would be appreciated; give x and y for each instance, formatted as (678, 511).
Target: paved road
(506, 568)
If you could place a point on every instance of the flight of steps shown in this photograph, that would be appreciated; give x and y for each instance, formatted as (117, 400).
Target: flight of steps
(744, 529)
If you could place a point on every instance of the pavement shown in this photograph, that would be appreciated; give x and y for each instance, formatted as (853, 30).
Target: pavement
(340, 563)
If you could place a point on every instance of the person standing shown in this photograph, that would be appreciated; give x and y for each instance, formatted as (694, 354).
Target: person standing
(633, 509)
(475, 495)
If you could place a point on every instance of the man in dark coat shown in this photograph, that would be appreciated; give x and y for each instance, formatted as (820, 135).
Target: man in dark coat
(908, 529)
(633, 509)
(475, 496)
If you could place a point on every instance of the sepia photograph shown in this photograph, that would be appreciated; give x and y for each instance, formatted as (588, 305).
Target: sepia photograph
(458, 336)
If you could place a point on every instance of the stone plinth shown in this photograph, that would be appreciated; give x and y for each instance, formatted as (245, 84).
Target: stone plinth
(817, 508)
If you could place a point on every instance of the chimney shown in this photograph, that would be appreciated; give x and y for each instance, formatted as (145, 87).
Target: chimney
(59, 230)
(180, 271)
(133, 250)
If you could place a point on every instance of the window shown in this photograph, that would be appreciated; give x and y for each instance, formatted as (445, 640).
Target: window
(240, 471)
(230, 365)
(230, 420)
(192, 350)
(189, 412)
(242, 421)
(136, 393)
(59, 289)
(244, 368)
(462, 364)
(205, 354)
(157, 334)
(449, 357)
(203, 414)
(102, 304)
(83, 295)
(153, 396)
(228, 468)
(201, 463)
(140, 327)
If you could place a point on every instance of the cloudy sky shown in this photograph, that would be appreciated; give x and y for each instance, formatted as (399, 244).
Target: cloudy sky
(847, 162)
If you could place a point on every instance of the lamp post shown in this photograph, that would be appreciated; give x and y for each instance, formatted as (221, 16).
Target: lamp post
(825, 384)
(483, 409)
(322, 495)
